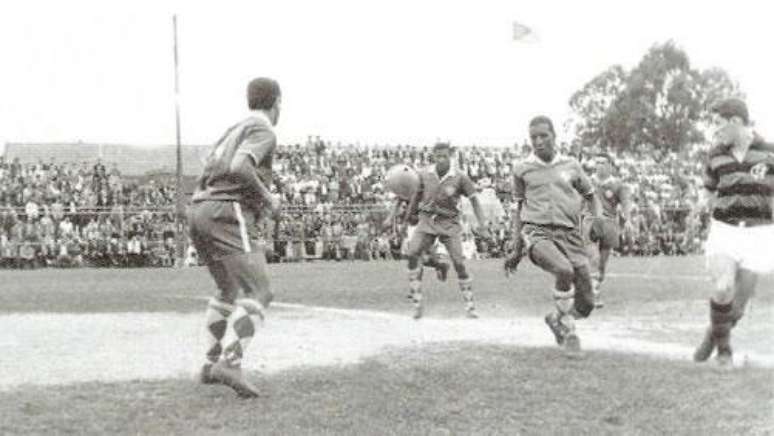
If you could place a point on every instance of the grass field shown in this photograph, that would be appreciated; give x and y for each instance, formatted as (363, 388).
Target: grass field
(112, 351)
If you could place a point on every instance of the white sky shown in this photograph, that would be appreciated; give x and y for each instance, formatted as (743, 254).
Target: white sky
(388, 71)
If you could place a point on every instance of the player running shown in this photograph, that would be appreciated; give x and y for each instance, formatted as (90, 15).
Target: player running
(231, 195)
(739, 188)
(436, 203)
(548, 192)
(612, 195)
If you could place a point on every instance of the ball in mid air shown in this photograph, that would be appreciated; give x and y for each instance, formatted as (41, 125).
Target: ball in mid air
(402, 181)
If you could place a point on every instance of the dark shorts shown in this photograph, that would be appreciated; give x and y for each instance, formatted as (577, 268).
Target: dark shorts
(610, 237)
(569, 241)
(218, 230)
(427, 232)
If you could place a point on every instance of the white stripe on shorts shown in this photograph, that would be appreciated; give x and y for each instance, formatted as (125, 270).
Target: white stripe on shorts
(242, 227)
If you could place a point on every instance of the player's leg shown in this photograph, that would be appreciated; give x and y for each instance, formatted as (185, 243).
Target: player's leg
(244, 267)
(416, 245)
(545, 254)
(608, 242)
(453, 244)
(723, 256)
(724, 272)
(432, 259)
(220, 307)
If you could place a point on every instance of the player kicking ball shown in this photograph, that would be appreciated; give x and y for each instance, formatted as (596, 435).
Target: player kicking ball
(231, 195)
(436, 202)
(549, 190)
(739, 189)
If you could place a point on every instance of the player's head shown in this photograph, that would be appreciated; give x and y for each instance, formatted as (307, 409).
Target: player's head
(731, 110)
(264, 94)
(731, 121)
(604, 165)
(442, 156)
(543, 136)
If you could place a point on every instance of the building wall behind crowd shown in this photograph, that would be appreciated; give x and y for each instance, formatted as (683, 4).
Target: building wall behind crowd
(62, 207)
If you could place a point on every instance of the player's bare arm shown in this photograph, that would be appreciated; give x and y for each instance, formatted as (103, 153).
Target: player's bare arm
(626, 205)
(413, 207)
(242, 167)
(479, 214)
(512, 262)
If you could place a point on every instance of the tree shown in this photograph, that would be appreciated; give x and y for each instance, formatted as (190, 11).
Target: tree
(592, 106)
(662, 102)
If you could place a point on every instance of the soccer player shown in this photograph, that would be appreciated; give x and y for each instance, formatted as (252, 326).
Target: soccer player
(549, 190)
(739, 188)
(230, 196)
(398, 217)
(436, 203)
(612, 195)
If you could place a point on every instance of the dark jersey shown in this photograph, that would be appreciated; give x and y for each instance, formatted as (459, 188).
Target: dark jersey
(253, 136)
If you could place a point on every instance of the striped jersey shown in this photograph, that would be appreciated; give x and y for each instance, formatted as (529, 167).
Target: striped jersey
(744, 190)
(551, 192)
(253, 136)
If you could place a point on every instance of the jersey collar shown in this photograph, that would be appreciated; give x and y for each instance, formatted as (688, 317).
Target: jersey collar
(558, 157)
(452, 171)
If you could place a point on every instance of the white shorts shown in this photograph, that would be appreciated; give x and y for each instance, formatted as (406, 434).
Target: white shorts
(751, 247)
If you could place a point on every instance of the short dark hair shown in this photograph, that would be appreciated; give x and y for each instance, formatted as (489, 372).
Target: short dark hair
(542, 119)
(442, 146)
(262, 93)
(732, 107)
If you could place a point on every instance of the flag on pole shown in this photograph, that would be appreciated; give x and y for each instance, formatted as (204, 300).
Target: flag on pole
(522, 32)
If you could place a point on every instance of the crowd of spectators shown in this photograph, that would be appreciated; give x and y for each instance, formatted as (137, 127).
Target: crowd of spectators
(72, 214)
(66, 214)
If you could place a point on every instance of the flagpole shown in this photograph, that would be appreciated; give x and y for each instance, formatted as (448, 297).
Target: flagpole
(179, 245)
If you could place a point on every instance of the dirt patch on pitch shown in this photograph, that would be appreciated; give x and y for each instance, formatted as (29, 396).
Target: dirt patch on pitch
(69, 348)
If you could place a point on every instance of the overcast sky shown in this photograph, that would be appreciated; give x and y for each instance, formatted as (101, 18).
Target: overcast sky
(388, 71)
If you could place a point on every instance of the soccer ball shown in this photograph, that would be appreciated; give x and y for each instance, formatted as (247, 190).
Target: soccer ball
(402, 181)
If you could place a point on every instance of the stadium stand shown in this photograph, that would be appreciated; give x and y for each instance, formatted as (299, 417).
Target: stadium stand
(113, 205)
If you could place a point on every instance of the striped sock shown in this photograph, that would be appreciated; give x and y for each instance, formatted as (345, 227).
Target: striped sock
(247, 317)
(415, 285)
(216, 317)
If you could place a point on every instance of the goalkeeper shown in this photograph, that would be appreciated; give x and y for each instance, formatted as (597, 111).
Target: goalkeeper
(546, 218)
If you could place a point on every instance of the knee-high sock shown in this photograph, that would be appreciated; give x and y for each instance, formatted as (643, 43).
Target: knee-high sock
(415, 285)
(564, 302)
(721, 319)
(466, 289)
(216, 318)
(248, 316)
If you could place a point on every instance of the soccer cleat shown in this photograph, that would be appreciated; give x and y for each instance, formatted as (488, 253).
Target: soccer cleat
(232, 377)
(442, 271)
(705, 349)
(725, 357)
(471, 313)
(572, 346)
(559, 331)
(205, 376)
